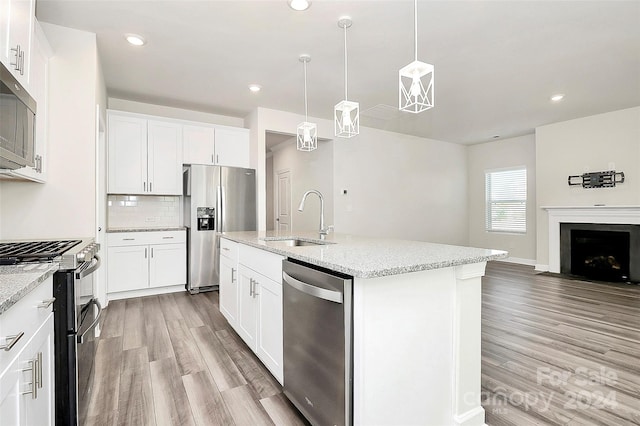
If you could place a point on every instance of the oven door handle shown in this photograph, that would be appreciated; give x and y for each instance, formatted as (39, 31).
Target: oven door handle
(95, 321)
(95, 264)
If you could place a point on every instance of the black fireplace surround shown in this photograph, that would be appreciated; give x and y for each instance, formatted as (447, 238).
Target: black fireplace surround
(604, 252)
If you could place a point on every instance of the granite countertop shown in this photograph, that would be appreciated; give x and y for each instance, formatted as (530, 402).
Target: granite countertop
(174, 228)
(16, 281)
(364, 257)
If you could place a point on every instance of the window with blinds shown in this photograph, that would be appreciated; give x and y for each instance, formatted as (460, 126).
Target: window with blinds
(506, 200)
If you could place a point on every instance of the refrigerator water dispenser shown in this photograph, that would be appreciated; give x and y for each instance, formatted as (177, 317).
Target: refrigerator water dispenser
(205, 218)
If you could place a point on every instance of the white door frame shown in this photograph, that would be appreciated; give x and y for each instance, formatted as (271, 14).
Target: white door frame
(276, 204)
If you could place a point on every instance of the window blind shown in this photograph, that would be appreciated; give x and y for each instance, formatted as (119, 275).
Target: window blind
(506, 192)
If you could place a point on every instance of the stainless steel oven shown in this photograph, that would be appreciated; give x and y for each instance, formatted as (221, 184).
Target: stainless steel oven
(76, 314)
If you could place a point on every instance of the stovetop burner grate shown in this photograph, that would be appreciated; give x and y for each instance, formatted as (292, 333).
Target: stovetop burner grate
(32, 251)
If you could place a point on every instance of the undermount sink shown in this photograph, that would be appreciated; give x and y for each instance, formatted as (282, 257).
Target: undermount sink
(295, 242)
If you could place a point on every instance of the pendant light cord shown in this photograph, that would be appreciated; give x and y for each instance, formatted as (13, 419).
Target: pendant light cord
(306, 118)
(415, 28)
(345, 63)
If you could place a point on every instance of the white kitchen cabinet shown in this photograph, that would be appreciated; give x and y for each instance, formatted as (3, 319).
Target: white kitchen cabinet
(216, 145)
(145, 261)
(232, 147)
(199, 144)
(144, 155)
(229, 281)
(39, 86)
(259, 317)
(16, 23)
(29, 358)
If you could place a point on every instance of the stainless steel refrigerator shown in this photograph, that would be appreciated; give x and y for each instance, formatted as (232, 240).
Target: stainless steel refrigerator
(216, 199)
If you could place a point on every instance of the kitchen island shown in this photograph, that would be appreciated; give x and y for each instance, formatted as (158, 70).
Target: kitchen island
(416, 322)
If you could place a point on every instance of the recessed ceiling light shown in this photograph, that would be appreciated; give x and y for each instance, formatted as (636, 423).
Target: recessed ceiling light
(557, 98)
(255, 87)
(135, 39)
(299, 4)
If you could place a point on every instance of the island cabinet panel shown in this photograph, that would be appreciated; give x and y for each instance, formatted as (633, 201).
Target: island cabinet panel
(229, 288)
(256, 298)
(439, 344)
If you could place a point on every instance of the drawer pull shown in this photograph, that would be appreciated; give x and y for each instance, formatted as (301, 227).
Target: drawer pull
(12, 341)
(46, 303)
(167, 238)
(128, 239)
(226, 248)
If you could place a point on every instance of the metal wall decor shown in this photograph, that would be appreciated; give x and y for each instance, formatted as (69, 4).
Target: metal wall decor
(606, 179)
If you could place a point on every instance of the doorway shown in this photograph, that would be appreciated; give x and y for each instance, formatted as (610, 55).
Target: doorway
(283, 201)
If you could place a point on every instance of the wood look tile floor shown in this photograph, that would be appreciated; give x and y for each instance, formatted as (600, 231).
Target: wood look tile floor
(555, 351)
(174, 360)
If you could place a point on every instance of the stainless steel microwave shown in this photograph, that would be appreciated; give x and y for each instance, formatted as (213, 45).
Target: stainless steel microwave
(17, 123)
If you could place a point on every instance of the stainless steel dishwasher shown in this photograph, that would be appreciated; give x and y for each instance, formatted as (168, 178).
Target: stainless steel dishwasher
(317, 342)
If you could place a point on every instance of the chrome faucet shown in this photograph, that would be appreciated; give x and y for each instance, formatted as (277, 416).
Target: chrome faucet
(323, 231)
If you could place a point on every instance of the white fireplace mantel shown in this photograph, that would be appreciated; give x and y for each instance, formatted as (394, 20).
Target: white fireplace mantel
(625, 215)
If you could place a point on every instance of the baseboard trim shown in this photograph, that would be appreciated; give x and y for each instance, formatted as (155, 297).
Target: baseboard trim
(542, 268)
(145, 292)
(519, 260)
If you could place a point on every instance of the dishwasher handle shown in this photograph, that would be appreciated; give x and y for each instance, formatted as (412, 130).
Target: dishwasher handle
(311, 290)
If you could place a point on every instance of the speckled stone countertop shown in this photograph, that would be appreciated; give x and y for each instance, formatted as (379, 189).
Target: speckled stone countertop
(17, 281)
(367, 257)
(176, 228)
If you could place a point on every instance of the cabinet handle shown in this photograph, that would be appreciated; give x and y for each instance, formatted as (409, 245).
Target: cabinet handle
(233, 271)
(167, 238)
(251, 287)
(46, 303)
(150, 190)
(212, 159)
(16, 64)
(22, 63)
(152, 252)
(225, 248)
(145, 252)
(144, 186)
(34, 378)
(12, 340)
(39, 375)
(217, 159)
(255, 284)
(128, 239)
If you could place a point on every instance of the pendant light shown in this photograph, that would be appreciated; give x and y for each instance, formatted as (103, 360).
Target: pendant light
(346, 114)
(416, 80)
(307, 133)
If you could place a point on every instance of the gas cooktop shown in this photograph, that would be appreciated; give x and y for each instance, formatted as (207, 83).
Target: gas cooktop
(34, 251)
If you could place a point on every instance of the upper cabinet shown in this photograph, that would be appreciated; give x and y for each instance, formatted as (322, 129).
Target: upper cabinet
(17, 19)
(144, 155)
(216, 145)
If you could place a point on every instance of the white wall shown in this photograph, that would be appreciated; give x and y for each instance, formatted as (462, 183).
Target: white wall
(590, 144)
(177, 113)
(400, 186)
(64, 207)
(505, 153)
(309, 170)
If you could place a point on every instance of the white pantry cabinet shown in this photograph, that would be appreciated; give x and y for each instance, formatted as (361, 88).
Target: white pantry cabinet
(229, 280)
(143, 155)
(17, 19)
(259, 305)
(145, 260)
(216, 145)
(26, 369)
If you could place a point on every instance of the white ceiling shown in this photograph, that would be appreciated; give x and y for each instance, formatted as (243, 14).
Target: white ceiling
(496, 62)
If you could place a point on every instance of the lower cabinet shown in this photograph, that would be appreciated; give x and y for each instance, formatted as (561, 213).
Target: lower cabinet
(145, 260)
(251, 300)
(26, 383)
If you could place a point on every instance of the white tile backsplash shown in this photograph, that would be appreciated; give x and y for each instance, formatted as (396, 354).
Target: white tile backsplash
(143, 211)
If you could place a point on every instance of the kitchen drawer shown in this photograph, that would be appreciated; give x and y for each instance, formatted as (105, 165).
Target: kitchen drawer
(119, 239)
(264, 262)
(229, 249)
(25, 316)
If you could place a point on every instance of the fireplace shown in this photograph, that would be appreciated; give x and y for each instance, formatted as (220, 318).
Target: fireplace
(605, 252)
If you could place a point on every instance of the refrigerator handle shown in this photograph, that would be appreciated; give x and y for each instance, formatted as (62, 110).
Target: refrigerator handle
(223, 203)
(218, 218)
